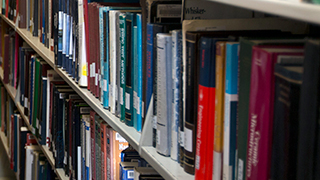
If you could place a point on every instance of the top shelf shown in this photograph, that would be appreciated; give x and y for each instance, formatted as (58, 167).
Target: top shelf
(295, 10)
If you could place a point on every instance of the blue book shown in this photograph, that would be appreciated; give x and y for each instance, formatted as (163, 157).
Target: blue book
(138, 124)
(230, 115)
(176, 88)
(103, 59)
(31, 87)
(135, 75)
(44, 111)
(60, 34)
(21, 70)
(66, 31)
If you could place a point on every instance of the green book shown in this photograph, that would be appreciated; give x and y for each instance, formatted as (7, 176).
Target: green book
(35, 120)
(123, 50)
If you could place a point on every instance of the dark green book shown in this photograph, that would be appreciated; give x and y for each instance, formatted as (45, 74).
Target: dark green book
(123, 61)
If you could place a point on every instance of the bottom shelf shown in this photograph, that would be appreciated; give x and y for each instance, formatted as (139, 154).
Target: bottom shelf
(165, 166)
(4, 141)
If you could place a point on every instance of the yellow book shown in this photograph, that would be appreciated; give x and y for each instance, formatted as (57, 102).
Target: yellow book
(219, 109)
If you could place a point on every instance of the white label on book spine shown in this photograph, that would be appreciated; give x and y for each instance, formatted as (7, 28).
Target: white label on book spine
(240, 170)
(99, 75)
(105, 85)
(181, 138)
(158, 136)
(154, 122)
(128, 101)
(110, 90)
(197, 163)
(188, 139)
(39, 129)
(37, 123)
(96, 79)
(116, 93)
(135, 103)
(138, 105)
(130, 174)
(121, 96)
(25, 102)
(65, 157)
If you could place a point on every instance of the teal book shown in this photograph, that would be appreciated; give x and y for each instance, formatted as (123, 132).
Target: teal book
(138, 124)
(135, 75)
(130, 23)
(123, 54)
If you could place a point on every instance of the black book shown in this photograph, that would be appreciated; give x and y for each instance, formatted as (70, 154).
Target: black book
(35, 18)
(308, 140)
(288, 80)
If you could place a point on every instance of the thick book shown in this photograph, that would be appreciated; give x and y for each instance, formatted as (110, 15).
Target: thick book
(176, 96)
(119, 144)
(230, 111)
(139, 103)
(308, 133)
(261, 109)
(164, 90)
(288, 81)
(206, 113)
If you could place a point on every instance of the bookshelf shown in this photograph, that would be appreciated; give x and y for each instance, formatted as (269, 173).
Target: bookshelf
(12, 93)
(4, 141)
(165, 166)
(296, 10)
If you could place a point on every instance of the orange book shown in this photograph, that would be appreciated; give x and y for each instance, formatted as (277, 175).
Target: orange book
(119, 144)
(219, 109)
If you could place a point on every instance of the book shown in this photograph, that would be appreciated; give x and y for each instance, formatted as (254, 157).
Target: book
(219, 108)
(164, 90)
(176, 89)
(205, 127)
(308, 151)
(288, 80)
(261, 101)
(230, 110)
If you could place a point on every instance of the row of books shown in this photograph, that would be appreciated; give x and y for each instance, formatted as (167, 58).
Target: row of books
(26, 158)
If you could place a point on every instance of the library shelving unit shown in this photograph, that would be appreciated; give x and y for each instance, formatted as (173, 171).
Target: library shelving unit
(165, 166)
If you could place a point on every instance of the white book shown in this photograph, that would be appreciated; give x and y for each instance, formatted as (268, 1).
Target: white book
(114, 36)
(164, 91)
(88, 147)
(82, 52)
(29, 160)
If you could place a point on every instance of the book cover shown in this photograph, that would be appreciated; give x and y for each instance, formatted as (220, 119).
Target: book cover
(205, 127)
(119, 144)
(139, 103)
(93, 145)
(288, 80)
(176, 97)
(164, 91)
(261, 109)
(22, 14)
(123, 56)
(230, 110)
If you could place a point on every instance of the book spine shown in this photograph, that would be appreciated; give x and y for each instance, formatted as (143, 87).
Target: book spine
(110, 144)
(60, 33)
(191, 102)
(65, 31)
(164, 90)
(261, 98)
(204, 146)
(118, 61)
(176, 85)
(106, 66)
(97, 74)
(149, 70)
(128, 99)
(134, 77)
(230, 114)
(104, 142)
(112, 56)
(219, 109)
(243, 108)
(88, 149)
(123, 39)
(139, 106)
(92, 141)
(97, 147)
(82, 48)
(102, 49)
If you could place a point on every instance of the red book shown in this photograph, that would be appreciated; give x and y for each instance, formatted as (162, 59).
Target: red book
(16, 59)
(7, 8)
(103, 130)
(30, 140)
(205, 123)
(85, 9)
(93, 144)
(97, 50)
(261, 109)
(6, 67)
